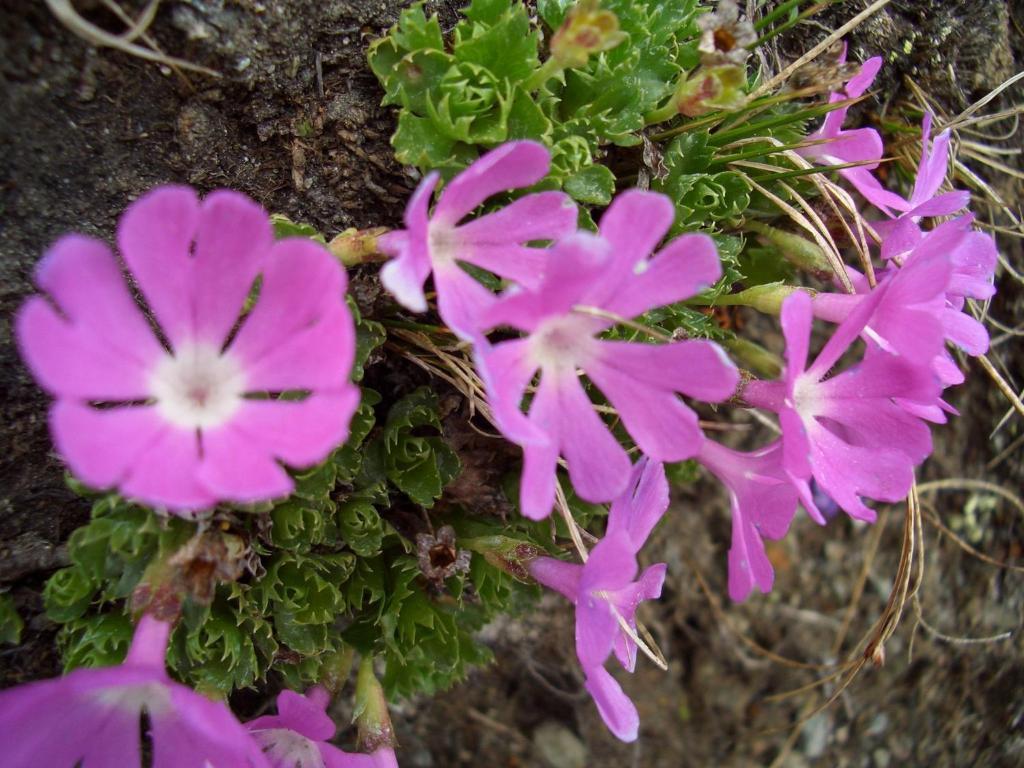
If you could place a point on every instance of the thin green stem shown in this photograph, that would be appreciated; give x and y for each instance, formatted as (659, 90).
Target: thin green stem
(759, 128)
(662, 114)
(547, 70)
(779, 12)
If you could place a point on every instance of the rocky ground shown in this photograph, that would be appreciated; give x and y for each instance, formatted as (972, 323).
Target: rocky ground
(294, 122)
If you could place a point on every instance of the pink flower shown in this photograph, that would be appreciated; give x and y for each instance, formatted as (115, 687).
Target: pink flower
(297, 736)
(859, 145)
(92, 717)
(610, 274)
(925, 199)
(180, 427)
(603, 589)
(497, 242)
(845, 430)
(763, 500)
(925, 298)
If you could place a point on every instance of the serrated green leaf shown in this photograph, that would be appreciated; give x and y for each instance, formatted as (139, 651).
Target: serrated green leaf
(508, 47)
(95, 641)
(415, 31)
(526, 120)
(594, 185)
(68, 593)
(417, 141)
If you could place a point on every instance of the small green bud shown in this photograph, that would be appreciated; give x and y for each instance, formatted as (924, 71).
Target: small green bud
(509, 555)
(371, 711)
(766, 298)
(797, 250)
(358, 246)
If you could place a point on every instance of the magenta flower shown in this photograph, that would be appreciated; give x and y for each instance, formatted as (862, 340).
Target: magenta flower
(925, 199)
(859, 145)
(845, 430)
(763, 500)
(925, 298)
(609, 274)
(604, 589)
(92, 717)
(297, 736)
(191, 424)
(497, 242)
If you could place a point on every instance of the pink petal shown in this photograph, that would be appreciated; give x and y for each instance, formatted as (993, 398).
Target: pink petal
(966, 332)
(748, 563)
(461, 301)
(302, 283)
(85, 281)
(301, 714)
(155, 237)
(699, 369)
(796, 319)
(865, 76)
(663, 427)
(231, 245)
(683, 268)
(540, 459)
(558, 575)
(611, 565)
(596, 629)
(598, 466)
(73, 360)
(872, 190)
(234, 468)
(404, 275)
(643, 503)
(944, 204)
(164, 474)
(634, 224)
(201, 732)
(506, 369)
(316, 357)
(300, 433)
(102, 446)
(513, 165)
(616, 709)
(540, 216)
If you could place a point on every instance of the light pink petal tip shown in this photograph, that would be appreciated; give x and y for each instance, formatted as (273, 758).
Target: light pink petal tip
(616, 709)
(513, 165)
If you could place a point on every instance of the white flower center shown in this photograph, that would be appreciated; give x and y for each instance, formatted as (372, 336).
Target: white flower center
(198, 387)
(285, 747)
(563, 343)
(443, 243)
(152, 697)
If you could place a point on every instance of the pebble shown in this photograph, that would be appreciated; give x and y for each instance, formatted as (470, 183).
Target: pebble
(558, 747)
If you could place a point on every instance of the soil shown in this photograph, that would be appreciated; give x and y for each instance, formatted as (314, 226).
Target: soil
(295, 122)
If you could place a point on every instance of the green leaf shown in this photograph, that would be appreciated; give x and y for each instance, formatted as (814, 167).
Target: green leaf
(553, 11)
(11, 623)
(285, 227)
(526, 120)
(419, 142)
(594, 185)
(415, 31)
(95, 641)
(486, 11)
(68, 593)
(508, 48)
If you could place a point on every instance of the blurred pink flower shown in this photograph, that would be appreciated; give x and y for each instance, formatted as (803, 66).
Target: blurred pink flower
(603, 589)
(858, 145)
(92, 717)
(179, 426)
(846, 430)
(589, 282)
(763, 500)
(297, 736)
(497, 242)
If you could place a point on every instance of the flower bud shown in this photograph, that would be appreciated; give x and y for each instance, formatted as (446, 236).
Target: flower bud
(509, 555)
(371, 712)
(587, 29)
(712, 89)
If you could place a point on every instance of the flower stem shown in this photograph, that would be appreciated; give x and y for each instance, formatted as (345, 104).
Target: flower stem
(547, 70)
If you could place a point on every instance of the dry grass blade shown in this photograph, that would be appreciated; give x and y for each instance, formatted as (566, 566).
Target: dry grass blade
(952, 639)
(820, 48)
(65, 13)
(817, 230)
